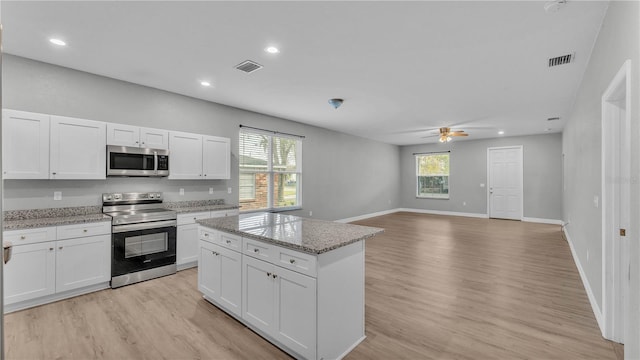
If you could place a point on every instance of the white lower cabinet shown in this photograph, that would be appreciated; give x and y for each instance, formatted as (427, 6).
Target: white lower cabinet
(82, 262)
(220, 276)
(45, 269)
(31, 272)
(187, 236)
(281, 303)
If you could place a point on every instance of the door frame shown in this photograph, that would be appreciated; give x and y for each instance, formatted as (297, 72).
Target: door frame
(521, 177)
(615, 184)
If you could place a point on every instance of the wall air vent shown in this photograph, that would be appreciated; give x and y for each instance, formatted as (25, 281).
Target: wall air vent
(249, 66)
(561, 60)
(553, 119)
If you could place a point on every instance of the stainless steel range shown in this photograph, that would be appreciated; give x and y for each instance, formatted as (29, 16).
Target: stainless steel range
(143, 243)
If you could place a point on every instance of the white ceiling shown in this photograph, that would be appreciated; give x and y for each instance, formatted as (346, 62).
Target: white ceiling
(401, 67)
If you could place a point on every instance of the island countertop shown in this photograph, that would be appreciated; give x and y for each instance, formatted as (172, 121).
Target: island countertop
(303, 234)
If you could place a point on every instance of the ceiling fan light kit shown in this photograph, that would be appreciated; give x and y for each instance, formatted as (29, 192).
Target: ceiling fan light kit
(336, 102)
(446, 134)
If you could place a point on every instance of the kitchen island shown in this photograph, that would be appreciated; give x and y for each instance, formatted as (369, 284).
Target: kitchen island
(297, 282)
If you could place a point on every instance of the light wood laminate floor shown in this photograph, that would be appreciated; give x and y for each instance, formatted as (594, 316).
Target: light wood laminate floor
(437, 287)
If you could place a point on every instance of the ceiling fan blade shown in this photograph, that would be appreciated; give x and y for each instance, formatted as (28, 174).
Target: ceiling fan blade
(429, 136)
(458, 134)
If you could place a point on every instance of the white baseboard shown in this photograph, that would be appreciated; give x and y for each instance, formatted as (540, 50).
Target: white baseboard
(438, 212)
(366, 216)
(543, 221)
(592, 299)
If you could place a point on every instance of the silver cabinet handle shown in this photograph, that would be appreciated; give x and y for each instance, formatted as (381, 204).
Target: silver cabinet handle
(60, 248)
(256, 250)
(292, 261)
(274, 276)
(85, 230)
(268, 274)
(50, 249)
(206, 234)
(22, 237)
(228, 241)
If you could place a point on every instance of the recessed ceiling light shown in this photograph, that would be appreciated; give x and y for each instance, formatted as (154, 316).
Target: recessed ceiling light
(501, 132)
(272, 50)
(57, 42)
(205, 83)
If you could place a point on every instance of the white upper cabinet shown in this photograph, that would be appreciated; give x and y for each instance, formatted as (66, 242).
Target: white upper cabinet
(78, 148)
(25, 145)
(127, 135)
(194, 156)
(154, 138)
(216, 157)
(185, 155)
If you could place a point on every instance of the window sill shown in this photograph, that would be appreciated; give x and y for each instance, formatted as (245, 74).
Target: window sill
(432, 197)
(277, 210)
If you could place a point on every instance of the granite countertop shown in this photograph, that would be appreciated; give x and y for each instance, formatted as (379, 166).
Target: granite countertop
(35, 218)
(182, 207)
(302, 234)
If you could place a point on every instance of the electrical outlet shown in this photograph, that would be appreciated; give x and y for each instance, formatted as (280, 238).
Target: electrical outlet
(211, 191)
(181, 191)
(464, 203)
(481, 185)
(57, 195)
(596, 200)
(310, 213)
(229, 190)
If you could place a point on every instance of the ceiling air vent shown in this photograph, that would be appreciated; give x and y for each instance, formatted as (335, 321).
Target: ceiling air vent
(248, 66)
(561, 60)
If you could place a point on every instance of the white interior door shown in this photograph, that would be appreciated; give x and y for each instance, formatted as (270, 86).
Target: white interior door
(505, 182)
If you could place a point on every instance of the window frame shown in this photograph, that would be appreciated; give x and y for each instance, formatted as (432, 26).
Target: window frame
(271, 172)
(433, 196)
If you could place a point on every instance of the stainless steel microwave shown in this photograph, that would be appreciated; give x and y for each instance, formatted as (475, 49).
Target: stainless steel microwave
(133, 161)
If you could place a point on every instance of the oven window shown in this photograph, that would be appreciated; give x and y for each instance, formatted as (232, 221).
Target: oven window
(122, 161)
(135, 246)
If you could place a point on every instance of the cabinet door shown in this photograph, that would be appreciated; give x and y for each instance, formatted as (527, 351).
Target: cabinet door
(258, 294)
(216, 157)
(154, 138)
(78, 148)
(25, 145)
(209, 270)
(186, 245)
(30, 273)
(296, 312)
(123, 135)
(185, 156)
(230, 280)
(82, 262)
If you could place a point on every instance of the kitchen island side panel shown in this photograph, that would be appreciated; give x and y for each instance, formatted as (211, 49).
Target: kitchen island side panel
(341, 281)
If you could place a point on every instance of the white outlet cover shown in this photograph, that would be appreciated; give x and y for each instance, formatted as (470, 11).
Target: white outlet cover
(210, 190)
(481, 185)
(57, 195)
(229, 190)
(181, 191)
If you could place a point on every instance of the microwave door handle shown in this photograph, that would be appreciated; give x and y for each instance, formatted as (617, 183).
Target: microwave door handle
(155, 162)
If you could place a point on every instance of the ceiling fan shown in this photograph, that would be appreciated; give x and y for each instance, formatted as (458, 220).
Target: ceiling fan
(446, 134)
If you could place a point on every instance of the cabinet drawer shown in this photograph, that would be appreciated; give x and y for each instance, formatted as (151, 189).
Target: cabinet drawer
(190, 218)
(230, 241)
(30, 236)
(232, 212)
(217, 214)
(258, 249)
(209, 235)
(82, 230)
(296, 261)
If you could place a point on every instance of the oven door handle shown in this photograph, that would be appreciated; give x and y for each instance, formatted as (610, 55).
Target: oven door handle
(143, 226)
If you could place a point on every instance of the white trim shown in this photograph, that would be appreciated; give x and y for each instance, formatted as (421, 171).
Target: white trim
(439, 212)
(613, 251)
(585, 282)
(367, 216)
(543, 221)
(521, 147)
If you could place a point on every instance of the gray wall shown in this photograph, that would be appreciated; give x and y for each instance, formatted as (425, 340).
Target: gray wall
(542, 169)
(618, 41)
(343, 175)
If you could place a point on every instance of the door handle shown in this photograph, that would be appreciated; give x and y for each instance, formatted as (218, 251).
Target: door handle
(8, 249)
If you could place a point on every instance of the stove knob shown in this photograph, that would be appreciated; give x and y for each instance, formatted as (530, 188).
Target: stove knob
(109, 197)
(152, 195)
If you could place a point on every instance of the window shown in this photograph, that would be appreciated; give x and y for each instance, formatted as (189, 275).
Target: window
(269, 171)
(432, 175)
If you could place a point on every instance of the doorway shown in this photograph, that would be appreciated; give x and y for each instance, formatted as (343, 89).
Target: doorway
(504, 170)
(616, 122)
